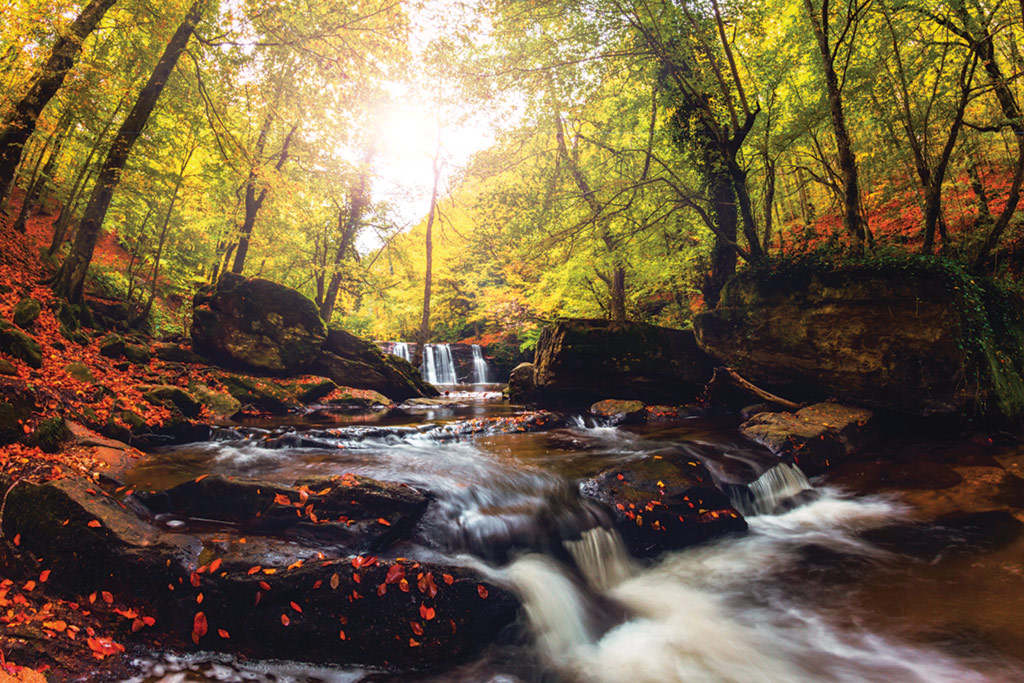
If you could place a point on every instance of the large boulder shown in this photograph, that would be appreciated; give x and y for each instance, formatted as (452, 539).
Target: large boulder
(354, 362)
(913, 340)
(582, 361)
(664, 503)
(522, 384)
(20, 345)
(258, 324)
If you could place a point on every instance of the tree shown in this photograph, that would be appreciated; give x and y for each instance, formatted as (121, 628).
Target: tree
(70, 279)
(19, 125)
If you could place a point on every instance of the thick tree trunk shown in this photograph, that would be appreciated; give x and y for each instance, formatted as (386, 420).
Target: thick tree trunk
(424, 332)
(70, 280)
(348, 226)
(723, 255)
(22, 121)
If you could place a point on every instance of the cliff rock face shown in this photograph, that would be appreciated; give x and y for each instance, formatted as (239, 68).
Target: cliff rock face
(257, 324)
(914, 342)
(582, 361)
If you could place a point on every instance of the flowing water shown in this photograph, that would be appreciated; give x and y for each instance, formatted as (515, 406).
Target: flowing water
(479, 365)
(438, 365)
(802, 597)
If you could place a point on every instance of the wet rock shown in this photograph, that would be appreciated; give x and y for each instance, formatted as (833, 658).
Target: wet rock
(667, 413)
(353, 362)
(7, 367)
(951, 535)
(207, 592)
(221, 404)
(26, 311)
(173, 397)
(356, 514)
(661, 503)
(815, 437)
(17, 403)
(260, 393)
(580, 361)
(620, 412)
(137, 353)
(258, 324)
(883, 338)
(522, 384)
(16, 343)
(313, 390)
(50, 434)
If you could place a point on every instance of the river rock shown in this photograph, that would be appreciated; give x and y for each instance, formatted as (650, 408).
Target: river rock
(522, 384)
(664, 503)
(256, 599)
(17, 403)
(620, 412)
(173, 397)
(353, 362)
(16, 343)
(815, 437)
(581, 361)
(904, 340)
(258, 324)
(26, 311)
(112, 346)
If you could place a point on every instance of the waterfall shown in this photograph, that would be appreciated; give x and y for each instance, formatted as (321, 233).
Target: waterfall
(781, 485)
(602, 558)
(438, 365)
(479, 365)
(401, 349)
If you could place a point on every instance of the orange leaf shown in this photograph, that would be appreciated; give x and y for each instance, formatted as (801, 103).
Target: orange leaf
(414, 643)
(44, 576)
(395, 573)
(381, 520)
(199, 627)
(201, 477)
(335, 580)
(416, 627)
(295, 606)
(426, 612)
(382, 589)
(215, 565)
(285, 620)
(107, 597)
(95, 524)
(29, 586)
(264, 585)
(223, 634)
(448, 578)
(282, 499)
(482, 590)
(341, 635)
(254, 570)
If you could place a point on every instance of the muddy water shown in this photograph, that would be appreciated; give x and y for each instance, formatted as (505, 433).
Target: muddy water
(881, 575)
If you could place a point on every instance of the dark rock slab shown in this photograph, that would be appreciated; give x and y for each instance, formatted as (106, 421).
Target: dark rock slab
(354, 362)
(620, 412)
(582, 361)
(26, 311)
(661, 503)
(16, 343)
(522, 384)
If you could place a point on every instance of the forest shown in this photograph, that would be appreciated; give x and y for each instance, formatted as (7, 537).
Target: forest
(528, 160)
(380, 326)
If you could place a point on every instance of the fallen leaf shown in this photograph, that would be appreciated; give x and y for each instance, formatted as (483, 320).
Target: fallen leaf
(199, 627)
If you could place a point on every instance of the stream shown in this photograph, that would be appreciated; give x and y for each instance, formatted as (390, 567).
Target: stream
(818, 589)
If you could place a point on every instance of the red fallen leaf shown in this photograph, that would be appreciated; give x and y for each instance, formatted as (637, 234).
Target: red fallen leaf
(317, 584)
(357, 578)
(127, 613)
(254, 570)
(95, 524)
(259, 596)
(619, 477)
(448, 579)
(215, 565)
(426, 612)
(17, 539)
(381, 520)
(223, 634)
(264, 585)
(482, 590)
(138, 625)
(107, 597)
(335, 580)
(295, 606)
(29, 586)
(104, 647)
(360, 561)
(382, 589)
(343, 619)
(395, 573)
(194, 579)
(404, 585)
(452, 622)
(201, 477)
(199, 599)
(416, 627)
(199, 627)
(44, 576)
(413, 642)
(92, 598)
(285, 620)
(148, 621)
(282, 499)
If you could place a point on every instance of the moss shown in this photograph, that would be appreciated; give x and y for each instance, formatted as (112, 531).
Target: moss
(50, 434)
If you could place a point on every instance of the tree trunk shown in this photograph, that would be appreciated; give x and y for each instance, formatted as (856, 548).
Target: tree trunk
(424, 332)
(852, 219)
(21, 122)
(70, 280)
(348, 226)
(723, 255)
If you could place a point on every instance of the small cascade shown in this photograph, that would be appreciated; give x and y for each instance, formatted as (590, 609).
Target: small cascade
(401, 349)
(554, 605)
(602, 558)
(783, 486)
(479, 365)
(438, 365)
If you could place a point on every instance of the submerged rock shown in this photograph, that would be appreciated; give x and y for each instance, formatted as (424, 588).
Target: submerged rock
(816, 437)
(660, 504)
(620, 412)
(581, 361)
(258, 324)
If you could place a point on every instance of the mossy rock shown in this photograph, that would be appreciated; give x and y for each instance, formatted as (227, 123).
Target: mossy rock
(175, 398)
(80, 371)
(7, 367)
(17, 403)
(20, 345)
(259, 393)
(172, 353)
(26, 312)
(137, 353)
(219, 403)
(311, 392)
(50, 435)
(112, 346)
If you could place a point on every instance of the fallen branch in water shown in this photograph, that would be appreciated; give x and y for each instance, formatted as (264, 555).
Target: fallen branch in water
(728, 375)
